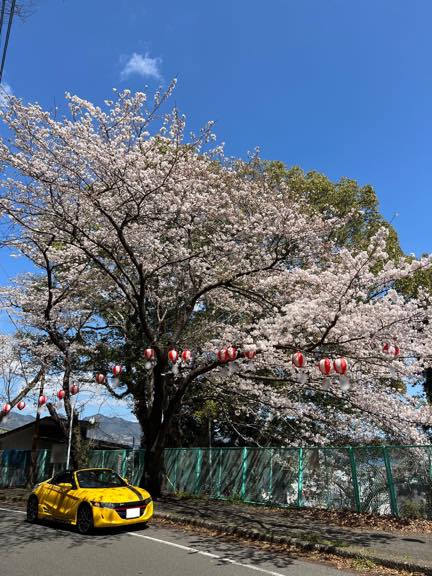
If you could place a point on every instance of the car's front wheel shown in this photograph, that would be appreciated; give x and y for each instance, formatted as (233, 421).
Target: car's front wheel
(85, 519)
(32, 509)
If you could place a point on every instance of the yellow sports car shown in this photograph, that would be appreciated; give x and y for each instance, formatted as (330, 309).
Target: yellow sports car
(90, 498)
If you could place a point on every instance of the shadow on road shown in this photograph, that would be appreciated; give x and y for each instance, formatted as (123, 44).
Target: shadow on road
(16, 532)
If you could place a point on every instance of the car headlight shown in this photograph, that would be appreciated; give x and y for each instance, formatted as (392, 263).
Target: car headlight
(103, 504)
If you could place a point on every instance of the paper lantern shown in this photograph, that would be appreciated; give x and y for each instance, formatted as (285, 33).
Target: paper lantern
(186, 355)
(100, 378)
(298, 360)
(340, 365)
(117, 370)
(6, 408)
(21, 405)
(61, 394)
(173, 356)
(325, 366)
(391, 349)
(250, 354)
(231, 353)
(42, 400)
(74, 389)
(222, 355)
(149, 353)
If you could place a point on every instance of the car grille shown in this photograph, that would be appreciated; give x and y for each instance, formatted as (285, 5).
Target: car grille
(121, 507)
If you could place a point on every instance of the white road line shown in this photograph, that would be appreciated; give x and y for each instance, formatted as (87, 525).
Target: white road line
(11, 510)
(186, 548)
(223, 558)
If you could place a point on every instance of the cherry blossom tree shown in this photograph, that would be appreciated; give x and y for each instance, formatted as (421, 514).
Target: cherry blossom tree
(185, 250)
(20, 372)
(50, 309)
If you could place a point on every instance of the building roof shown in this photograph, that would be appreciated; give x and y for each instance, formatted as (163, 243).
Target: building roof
(50, 430)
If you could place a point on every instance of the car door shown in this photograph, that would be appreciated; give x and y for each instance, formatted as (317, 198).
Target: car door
(58, 496)
(68, 499)
(50, 494)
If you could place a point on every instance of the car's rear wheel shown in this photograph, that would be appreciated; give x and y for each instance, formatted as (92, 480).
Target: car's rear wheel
(32, 509)
(85, 519)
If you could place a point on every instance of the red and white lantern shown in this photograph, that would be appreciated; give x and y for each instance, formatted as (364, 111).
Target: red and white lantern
(61, 394)
(117, 370)
(149, 353)
(42, 400)
(391, 349)
(250, 354)
(298, 360)
(325, 366)
(231, 352)
(100, 378)
(340, 365)
(186, 355)
(21, 405)
(173, 356)
(223, 355)
(6, 408)
(74, 389)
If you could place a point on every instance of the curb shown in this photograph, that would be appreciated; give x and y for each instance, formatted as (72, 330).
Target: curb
(269, 536)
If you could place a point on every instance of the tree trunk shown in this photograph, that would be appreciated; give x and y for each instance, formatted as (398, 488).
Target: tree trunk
(152, 478)
(154, 425)
(155, 421)
(32, 475)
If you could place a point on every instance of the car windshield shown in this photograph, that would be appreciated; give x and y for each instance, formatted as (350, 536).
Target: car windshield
(99, 479)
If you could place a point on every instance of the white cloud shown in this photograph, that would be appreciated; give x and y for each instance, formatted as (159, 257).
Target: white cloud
(5, 92)
(143, 66)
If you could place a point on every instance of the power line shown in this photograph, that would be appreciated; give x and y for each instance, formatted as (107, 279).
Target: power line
(11, 15)
(2, 15)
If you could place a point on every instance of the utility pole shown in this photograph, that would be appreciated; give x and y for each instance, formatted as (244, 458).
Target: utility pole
(11, 15)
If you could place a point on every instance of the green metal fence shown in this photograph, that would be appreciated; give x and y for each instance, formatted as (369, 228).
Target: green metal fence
(382, 479)
(15, 467)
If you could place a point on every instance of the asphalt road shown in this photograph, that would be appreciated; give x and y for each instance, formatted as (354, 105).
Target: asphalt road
(54, 550)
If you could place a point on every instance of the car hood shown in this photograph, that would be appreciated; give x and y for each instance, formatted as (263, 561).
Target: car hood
(115, 495)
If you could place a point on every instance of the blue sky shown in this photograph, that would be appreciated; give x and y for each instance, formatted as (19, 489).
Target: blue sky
(339, 86)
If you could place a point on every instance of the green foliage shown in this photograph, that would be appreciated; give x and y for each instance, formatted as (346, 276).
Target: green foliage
(343, 199)
(209, 410)
(412, 508)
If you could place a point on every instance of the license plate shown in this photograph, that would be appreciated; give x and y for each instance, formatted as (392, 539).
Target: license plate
(133, 512)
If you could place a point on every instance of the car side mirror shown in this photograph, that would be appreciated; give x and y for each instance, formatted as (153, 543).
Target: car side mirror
(66, 485)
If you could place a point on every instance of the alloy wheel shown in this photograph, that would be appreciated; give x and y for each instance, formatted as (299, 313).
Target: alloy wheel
(85, 520)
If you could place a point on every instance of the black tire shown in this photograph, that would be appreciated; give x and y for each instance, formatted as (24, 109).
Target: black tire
(32, 509)
(85, 523)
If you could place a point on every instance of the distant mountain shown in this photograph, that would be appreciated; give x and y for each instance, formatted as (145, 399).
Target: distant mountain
(114, 429)
(15, 420)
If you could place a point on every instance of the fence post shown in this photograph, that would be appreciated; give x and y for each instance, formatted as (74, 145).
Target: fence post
(244, 473)
(392, 493)
(300, 479)
(198, 471)
(124, 463)
(354, 478)
(270, 488)
(219, 480)
(177, 454)
(41, 469)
